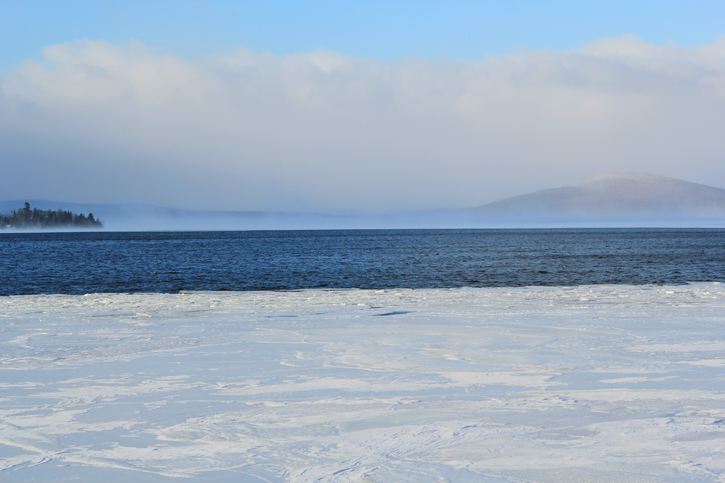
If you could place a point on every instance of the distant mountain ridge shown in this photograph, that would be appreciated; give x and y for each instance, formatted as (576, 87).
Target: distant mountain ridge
(615, 195)
(608, 200)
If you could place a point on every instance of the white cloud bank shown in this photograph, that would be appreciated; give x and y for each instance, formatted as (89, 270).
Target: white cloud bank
(96, 122)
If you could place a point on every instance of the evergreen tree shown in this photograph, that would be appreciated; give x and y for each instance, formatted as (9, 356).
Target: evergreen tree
(35, 218)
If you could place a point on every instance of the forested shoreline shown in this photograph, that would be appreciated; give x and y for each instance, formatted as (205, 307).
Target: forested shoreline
(34, 218)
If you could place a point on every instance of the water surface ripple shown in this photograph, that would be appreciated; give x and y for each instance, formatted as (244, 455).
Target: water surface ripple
(91, 262)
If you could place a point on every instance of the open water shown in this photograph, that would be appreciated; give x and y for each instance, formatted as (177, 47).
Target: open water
(92, 262)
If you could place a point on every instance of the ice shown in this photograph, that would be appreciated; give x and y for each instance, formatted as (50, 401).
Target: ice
(592, 383)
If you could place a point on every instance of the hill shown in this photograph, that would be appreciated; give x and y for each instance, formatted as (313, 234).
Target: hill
(616, 195)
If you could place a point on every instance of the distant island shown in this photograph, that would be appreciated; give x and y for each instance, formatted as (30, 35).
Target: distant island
(608, 200)
(34, 218)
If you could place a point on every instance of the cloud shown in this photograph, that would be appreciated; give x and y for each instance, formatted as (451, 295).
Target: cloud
(325, 131)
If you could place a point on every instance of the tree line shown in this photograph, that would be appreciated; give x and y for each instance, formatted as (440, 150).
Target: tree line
(35, 218)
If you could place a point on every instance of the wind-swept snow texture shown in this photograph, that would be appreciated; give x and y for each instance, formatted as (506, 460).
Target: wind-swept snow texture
(594, 383)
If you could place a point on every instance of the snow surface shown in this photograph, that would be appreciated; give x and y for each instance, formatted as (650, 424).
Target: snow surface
(596, 383)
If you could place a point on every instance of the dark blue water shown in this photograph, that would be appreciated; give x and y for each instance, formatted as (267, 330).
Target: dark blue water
(78, 263)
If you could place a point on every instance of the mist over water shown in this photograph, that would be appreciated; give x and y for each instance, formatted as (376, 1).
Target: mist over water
(140, 218)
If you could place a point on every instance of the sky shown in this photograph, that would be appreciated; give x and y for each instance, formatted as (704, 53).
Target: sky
(353, 107)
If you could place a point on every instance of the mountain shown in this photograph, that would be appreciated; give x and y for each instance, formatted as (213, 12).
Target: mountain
(616, 195)
(609, 200)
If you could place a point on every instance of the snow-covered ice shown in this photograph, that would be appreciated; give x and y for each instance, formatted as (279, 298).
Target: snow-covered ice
(595, 383)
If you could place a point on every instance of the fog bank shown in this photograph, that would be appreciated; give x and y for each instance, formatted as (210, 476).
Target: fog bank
(330, 133)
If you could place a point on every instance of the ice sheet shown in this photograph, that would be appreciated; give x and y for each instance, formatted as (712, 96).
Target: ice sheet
(600, 383)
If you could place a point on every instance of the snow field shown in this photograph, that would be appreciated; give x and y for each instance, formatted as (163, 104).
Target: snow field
(592, 383)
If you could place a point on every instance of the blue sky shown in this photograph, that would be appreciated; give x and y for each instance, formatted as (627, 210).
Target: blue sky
(353, 106)
(383, 30)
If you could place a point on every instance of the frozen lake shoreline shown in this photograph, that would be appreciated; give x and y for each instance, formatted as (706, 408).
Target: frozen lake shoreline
(591, 383)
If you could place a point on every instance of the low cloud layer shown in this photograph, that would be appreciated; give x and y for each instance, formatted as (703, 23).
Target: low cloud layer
(327, 132)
